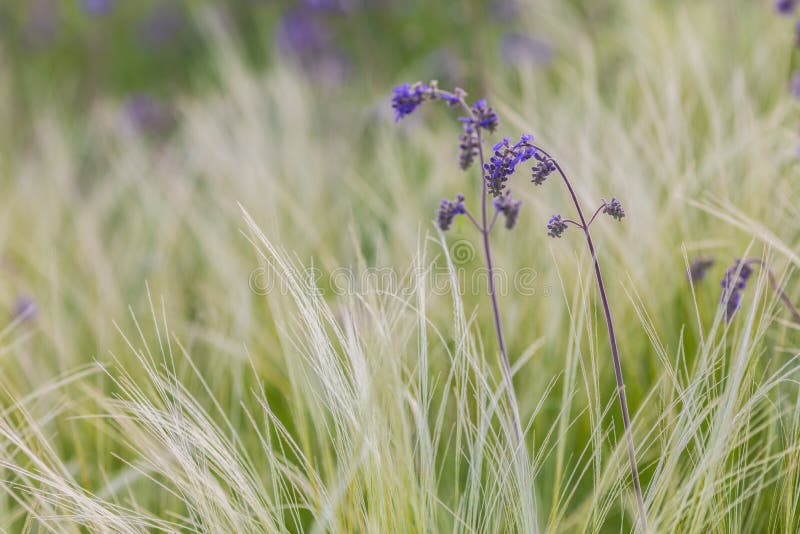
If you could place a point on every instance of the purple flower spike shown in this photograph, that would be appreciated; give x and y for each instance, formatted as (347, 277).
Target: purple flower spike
(485, 115)
(448, 210)
(504, 162)
(556, 226)
(698, 268)
(733, 283)
(509, 207)
(542, 170)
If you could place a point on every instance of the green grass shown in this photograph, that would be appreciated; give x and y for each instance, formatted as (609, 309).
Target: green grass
(156, 390)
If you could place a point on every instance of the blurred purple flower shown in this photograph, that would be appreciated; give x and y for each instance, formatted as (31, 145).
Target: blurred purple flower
(148, 114)
(794, 84)
(162, 25)
(521, 49)
(303, 37)
(25, 308)
(505, 10)
(785, 7)
(43, 22)
(698, 268)
(97, 7)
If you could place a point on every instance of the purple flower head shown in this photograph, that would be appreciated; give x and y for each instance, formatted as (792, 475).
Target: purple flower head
(486, 117)
(521, 49)
(25, 308)
(786, 7)
(408, 97)
(468, 143)
(733, 283)
(448, 210)
(614, 208)
(698, 268)
(97, 7)
(148, 114)
(794, 84)
(504, 161)
(509, 207)
(556, 226)
(542, 169)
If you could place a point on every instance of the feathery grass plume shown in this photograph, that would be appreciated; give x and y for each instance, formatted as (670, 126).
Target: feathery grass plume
(480, 117)
(734, 282)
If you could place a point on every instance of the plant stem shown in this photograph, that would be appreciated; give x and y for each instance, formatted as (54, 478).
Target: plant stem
(778, 290)
(623, 402)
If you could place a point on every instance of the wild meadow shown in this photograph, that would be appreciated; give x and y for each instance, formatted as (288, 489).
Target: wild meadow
(246, 307)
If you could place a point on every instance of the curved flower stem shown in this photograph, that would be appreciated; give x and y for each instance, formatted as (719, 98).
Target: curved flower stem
(623, 402)
(596, 212)
(778, 289)
(474, 222)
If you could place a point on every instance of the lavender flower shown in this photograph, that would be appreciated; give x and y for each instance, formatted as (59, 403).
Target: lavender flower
(504, 162)
(485, 115)
(448, 210)
(25, 308)
(698, 268)
(148, 114)
(794, 84)
(97, 7)
(556, 226)
(786, 7)
(407, 98)
(468, 143)
(542, 170)
(733, 283)
(509, 207)
(614, 208)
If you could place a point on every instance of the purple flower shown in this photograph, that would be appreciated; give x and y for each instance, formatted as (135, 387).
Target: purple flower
(504, 162)
(786, 7)
(794, 84)
(556, 226)
(448, 210)
(509, 207)
(733, 283)
(43, 25)
(408, 97)
(698, 268)
(614, 208)
(468, 143)
(542, 170)
(486, 117)
(148, 114)
(521, 49)
(25, 308)
(97, 7)
(162, 26)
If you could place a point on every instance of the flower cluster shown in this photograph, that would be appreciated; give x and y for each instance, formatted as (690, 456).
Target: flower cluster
(542, 169)
(408, 97)
(504, 162)
(509, 207)
(486, 117)
(556, 226)
(733, 283)
(614, 208)
(468, 143)
(448, 210)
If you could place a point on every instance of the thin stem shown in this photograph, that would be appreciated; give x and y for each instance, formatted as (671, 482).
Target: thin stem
(597, 211)
(623, 402)
(494, 220)
(778, 289)
(474, 221)
(576, 223)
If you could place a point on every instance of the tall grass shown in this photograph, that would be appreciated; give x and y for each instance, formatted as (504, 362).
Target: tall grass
(157, 391)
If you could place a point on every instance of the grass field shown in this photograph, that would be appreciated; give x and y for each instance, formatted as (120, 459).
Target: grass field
(253, 324)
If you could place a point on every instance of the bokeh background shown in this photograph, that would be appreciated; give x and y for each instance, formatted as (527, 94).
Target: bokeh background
(133, 134)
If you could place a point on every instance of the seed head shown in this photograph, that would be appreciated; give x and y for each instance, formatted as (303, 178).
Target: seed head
(556, 226)
(448, 210)
(509, 207)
